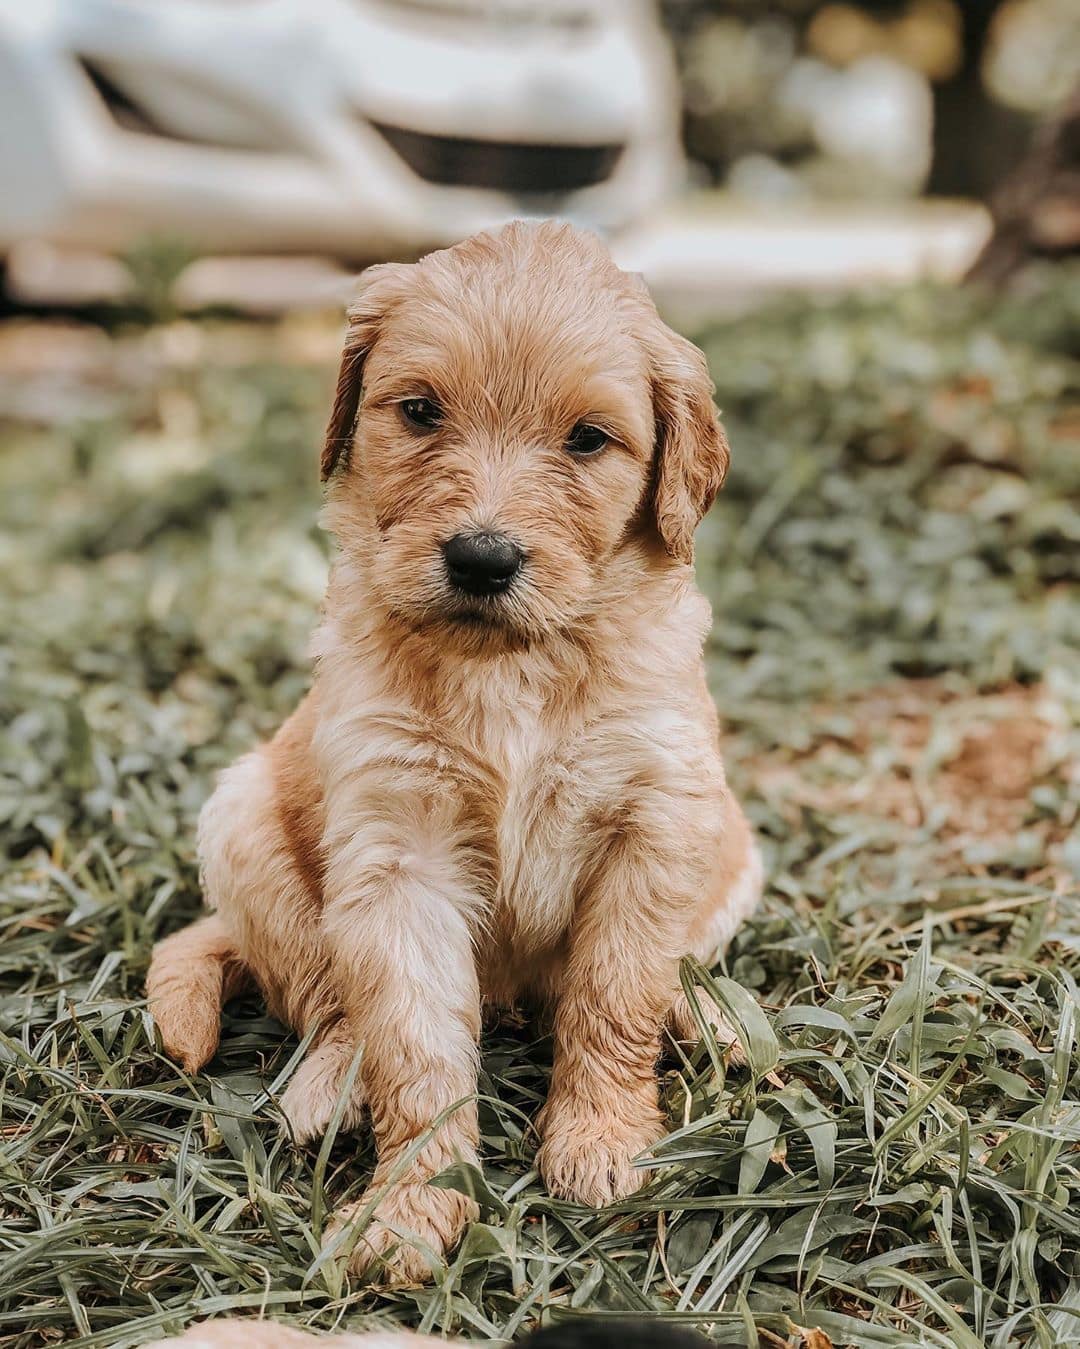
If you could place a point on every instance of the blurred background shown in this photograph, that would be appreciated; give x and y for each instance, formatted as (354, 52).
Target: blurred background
(724, 146)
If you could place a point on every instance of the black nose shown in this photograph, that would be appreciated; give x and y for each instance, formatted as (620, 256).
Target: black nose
(482, 564)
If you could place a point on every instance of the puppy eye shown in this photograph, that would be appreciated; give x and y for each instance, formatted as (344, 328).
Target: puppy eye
(422, 412)
(586, 439)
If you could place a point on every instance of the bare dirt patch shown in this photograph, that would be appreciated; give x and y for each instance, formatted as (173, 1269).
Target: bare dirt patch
(964, 770)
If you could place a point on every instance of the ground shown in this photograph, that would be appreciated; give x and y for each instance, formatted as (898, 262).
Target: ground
(893, 569)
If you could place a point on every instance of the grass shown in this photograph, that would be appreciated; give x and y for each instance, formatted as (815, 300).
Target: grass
(895, 655)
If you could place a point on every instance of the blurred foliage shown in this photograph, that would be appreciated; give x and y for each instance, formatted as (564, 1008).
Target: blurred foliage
(904, 468)
(155, 264)
(893, 567)
(797, 98)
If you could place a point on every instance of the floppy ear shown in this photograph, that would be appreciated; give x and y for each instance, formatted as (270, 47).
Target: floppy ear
(380, 288)
(692, 450)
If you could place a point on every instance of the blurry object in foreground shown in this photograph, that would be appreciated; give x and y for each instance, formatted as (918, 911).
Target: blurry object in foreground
(570, 1332)
(1037, 210)
(358, 128)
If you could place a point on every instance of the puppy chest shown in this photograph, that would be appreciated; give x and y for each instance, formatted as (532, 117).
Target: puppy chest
(544, 840)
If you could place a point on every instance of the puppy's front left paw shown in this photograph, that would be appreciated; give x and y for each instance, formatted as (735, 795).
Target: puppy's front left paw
(309, 1101)
(588, 1156)
(414, 1226)
(683, 1026)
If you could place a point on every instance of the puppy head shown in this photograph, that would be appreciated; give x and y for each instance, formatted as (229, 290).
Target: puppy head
(511, 418)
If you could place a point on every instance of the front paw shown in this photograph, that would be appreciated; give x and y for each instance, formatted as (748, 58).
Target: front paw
(413, 1228)
(308, 1103)
(683, 1026)
(587, 1154)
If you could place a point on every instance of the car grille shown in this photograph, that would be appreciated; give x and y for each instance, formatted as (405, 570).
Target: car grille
(505, 166)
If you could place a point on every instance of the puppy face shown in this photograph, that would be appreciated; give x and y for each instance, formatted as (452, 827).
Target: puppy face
(511, 416)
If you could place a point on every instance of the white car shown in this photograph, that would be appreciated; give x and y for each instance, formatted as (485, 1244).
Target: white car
(357, 128)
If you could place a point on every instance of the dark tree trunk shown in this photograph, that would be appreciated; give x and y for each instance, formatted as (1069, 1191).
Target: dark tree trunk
(1037, 209)
(976, 140)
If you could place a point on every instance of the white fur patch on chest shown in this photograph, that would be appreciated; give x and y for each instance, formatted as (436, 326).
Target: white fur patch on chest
(558, 791)
(543, 845)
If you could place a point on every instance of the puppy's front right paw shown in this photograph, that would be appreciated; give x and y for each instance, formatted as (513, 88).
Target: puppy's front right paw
(412, 1230)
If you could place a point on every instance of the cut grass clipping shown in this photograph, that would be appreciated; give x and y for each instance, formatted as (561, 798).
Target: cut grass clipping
(893, 569)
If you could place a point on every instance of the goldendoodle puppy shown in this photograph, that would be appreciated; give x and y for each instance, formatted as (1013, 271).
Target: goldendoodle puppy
(506, 781)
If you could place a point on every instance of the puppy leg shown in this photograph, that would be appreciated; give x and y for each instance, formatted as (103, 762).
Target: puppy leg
(734, 896)
(631, 928)
(653, 856)
(602, 1108)
(400, 922)
(192, 973)
(270, 903)
(309, 1100)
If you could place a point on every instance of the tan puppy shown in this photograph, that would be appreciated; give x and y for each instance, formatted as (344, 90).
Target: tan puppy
(506, 781)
